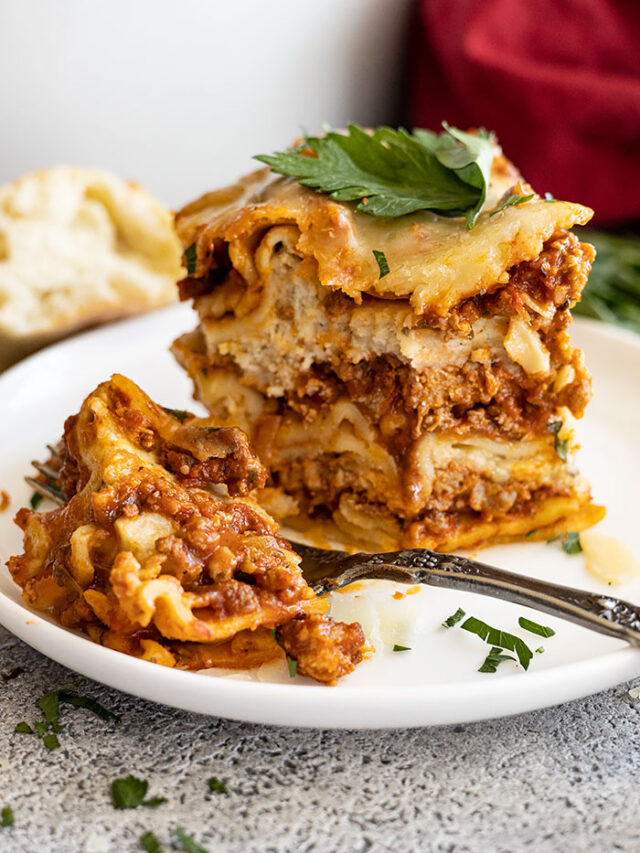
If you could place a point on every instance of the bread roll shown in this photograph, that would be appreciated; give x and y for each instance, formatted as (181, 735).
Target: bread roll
(79, 247)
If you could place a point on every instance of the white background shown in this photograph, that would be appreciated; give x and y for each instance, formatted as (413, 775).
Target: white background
(179, 94)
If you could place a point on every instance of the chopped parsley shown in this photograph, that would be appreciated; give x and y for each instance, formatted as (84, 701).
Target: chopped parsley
(513, 199)
(383, 263)
(49, 704)
(6, 816)
(130, 792)
(293, 666)
(570, 542)
(531, 533)
(23, 729)
(397, 648)
(499, 638)
(218, 786)
(190, 257)
(180, 414)
(561, 445)
(394, 172)
(150, 843)
(535, 628)
(35, 500)
(454, 618)
(188, 842)
(539, 650)
(494, 659)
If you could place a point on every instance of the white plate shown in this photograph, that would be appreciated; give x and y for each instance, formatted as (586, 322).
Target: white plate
(436, 682)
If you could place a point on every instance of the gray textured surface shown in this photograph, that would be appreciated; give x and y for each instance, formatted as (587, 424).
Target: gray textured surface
(561, 779)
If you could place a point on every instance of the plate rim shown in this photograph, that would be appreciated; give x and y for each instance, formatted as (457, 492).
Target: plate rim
(312, 706)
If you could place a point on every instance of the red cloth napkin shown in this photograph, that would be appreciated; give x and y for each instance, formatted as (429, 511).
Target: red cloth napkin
(557, 80)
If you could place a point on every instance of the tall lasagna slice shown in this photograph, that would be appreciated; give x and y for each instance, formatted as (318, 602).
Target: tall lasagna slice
(149, 559)
(408, 382)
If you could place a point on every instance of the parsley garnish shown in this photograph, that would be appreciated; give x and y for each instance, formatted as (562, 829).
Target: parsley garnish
(180, 414)
(513, 199)
(188, 842)
(383, 263)
(539, 650)
(531, 533)
(293, 666)
(130, 792)
(394, 172)
(570, 542)
(190, 257)
(535, 628)
(49, 704)
(561, 445)
(35, 500)
(454, 618)
(51, 741)
(218, 786)
(151, 843)
(23, 729)
(7, 818)
(499, 638)
(494, 659)
(397, 648)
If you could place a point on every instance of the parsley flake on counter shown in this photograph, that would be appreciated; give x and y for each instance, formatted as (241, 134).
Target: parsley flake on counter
(51, 741)
(70, 697)
(513, 199)
(150, 843)
(23, 729)
(188, 843)
(499, 638)
(494, 659)
(383, 263)
(35, 500)
(130, 792)
(535, 628)
(561, 445)
(190, 257)
(394, 172)
(397, 648)
(7, 818)
(454, 618)
(218, 786)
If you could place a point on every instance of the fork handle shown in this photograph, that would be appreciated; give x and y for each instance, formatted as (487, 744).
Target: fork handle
(601, 613)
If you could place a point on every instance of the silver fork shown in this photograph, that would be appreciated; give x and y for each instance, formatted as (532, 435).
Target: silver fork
(326, 571)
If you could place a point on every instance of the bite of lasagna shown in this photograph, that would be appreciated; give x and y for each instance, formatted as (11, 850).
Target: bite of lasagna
(407, 382)
(159, 552)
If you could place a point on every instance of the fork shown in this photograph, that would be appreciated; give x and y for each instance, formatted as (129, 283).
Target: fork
(328, 570)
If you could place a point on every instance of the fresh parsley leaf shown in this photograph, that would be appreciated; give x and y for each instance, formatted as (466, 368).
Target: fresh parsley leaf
(35, 500)
(535, 628)
(293, 666)
(70, 697)
(513, 199)
(23, 729)
(188, 842)
(454, 618)
(531, 533)
(561, 445)
(393, 172)
(216, 785)
(190, 257)
(7, 818)
(383, 263)
(499, 638)
(41, 727)
(150, 843)
(494, 659)
(180, 414)
(539, 650)
(397, 648)
(51, 741)
(49, 704)
(128, 793)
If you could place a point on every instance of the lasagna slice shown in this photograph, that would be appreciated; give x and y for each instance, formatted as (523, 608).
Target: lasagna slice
(157, 554)
(407, 382)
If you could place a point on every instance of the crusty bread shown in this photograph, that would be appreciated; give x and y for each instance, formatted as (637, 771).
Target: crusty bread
(79, 247)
